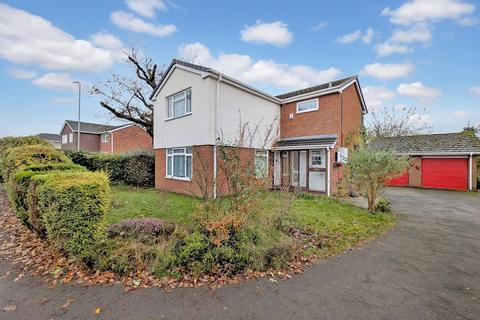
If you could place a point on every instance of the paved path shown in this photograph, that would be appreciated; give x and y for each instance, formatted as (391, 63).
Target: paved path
(428, 267)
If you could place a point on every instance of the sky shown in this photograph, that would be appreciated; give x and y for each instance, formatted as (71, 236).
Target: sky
(420, 53)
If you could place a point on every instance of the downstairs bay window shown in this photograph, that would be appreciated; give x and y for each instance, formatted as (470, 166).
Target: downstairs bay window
(179, 163)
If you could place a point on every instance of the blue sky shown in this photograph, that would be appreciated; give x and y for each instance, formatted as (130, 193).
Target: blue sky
(419, 53)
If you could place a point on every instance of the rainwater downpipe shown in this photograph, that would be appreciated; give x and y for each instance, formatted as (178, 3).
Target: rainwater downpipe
(215, 125)
(470, 172)
(328, 171)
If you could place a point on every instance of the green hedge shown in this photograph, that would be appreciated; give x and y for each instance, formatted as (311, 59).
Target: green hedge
(133, 169)
(17, 188)
(72, 207)
(19, 158)
(8, 143)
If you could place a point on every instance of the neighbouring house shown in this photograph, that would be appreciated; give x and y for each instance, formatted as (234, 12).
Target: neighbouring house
(104, 138)
(438, 161)
(54, 139)
(195, 105)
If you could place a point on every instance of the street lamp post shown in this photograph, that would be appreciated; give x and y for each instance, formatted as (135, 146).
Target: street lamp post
(78, 125)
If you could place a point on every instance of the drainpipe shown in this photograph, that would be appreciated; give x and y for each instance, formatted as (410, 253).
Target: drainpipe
(470, 172)
(215, 124)
(328, 171)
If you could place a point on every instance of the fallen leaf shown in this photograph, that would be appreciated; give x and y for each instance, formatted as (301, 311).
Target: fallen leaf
(10, 308)
(273, 280)
(20, 276)
(97, 311)
(136, 282)
(69, 302)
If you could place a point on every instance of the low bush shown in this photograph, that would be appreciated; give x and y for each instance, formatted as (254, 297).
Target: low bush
(18, 186)
(383, 205)
(141, 228)
(19, 158)
(133, 169)
(72, 207)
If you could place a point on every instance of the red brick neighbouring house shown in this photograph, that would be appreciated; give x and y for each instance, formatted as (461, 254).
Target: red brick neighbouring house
(103, 138)
(195, 106)
(437, 161)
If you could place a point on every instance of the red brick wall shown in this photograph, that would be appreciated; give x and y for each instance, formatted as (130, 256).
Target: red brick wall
(131, 139)
(351, 113)
(88, 141)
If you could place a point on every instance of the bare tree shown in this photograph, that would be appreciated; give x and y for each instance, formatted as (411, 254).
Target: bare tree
(128, 97)
(392, 122)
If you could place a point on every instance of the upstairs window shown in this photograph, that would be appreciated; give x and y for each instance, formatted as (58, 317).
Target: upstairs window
(64, 139)
(261, 163)
(105, 137)
(179, 104)
(70, 137)
(307, 105)
(179, 163)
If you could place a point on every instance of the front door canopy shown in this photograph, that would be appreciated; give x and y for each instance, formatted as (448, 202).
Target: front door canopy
(324, 141)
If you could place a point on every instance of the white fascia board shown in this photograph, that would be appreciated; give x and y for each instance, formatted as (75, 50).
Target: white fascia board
(164, 80)
(312, 94)
(306, 147)
(123, 127)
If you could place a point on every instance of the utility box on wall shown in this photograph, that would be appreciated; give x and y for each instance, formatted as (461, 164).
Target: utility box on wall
(342, 155)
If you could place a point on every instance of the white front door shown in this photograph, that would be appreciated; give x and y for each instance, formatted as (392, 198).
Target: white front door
(294, 168)
(316, 171)
(303, 169)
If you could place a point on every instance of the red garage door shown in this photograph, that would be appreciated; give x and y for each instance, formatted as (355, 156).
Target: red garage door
(401, 181)
(445, 173)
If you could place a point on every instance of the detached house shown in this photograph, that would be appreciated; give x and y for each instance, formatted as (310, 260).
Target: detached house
(195, 105)
(103, 138)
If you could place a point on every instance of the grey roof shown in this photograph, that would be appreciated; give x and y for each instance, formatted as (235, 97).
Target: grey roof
(49, 136)
(429, 143)
(323, 86)
(91, 127)
(323, 139)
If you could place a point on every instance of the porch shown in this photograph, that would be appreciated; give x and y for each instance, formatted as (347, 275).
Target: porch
(304, 162)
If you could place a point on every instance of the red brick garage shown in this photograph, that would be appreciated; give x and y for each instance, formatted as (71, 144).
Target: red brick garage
(437, 161)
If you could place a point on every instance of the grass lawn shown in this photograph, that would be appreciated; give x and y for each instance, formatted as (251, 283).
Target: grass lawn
(342, 224)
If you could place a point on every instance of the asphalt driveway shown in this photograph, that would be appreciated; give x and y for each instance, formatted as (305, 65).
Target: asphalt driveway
(428, 267)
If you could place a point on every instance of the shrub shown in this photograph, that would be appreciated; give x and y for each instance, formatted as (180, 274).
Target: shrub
(73, 205)
(133, 169)
(141, 228)
(383, 205)
(18, 185)
(19, 158)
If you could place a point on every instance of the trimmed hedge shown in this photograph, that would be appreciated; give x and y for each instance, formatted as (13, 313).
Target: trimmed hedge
(133, 169)
(72, 207)
(19, 183)
(19, 158)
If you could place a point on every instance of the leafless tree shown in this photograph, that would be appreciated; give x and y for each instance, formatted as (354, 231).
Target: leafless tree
(392, 122)
(127, 97)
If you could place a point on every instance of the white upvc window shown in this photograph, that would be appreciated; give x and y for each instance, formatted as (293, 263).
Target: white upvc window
(64, 139)
(179, 163)
(70, 137)
(307, 105)
(261, 163)
(105, 137)
(179, 104)
(317, 158)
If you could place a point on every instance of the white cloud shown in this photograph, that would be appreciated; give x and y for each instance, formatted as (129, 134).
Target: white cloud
(128, 21)
(22, 73)
(357, 35)
(55, 81)
(259, 72)
(388, 71)
(417, 90)
(388, 48)
(320, 26)
(107, 41)
(275, 33)
(460, 114)
(418, 33)
(63, 101)
(475, 90)
(469, 21)
(32, 40)
(146, 8)
(420, 118)
(414, 11)
(376, 96)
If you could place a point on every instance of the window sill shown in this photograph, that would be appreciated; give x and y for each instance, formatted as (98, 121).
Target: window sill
(179, 178)
(306, 111)
(182, 116)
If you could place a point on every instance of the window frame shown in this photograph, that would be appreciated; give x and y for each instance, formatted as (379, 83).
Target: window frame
(171, 98)
(105, 137)
(323, 156)
(70, 137)
(305, 101)
(186, 152)
(264, 155)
